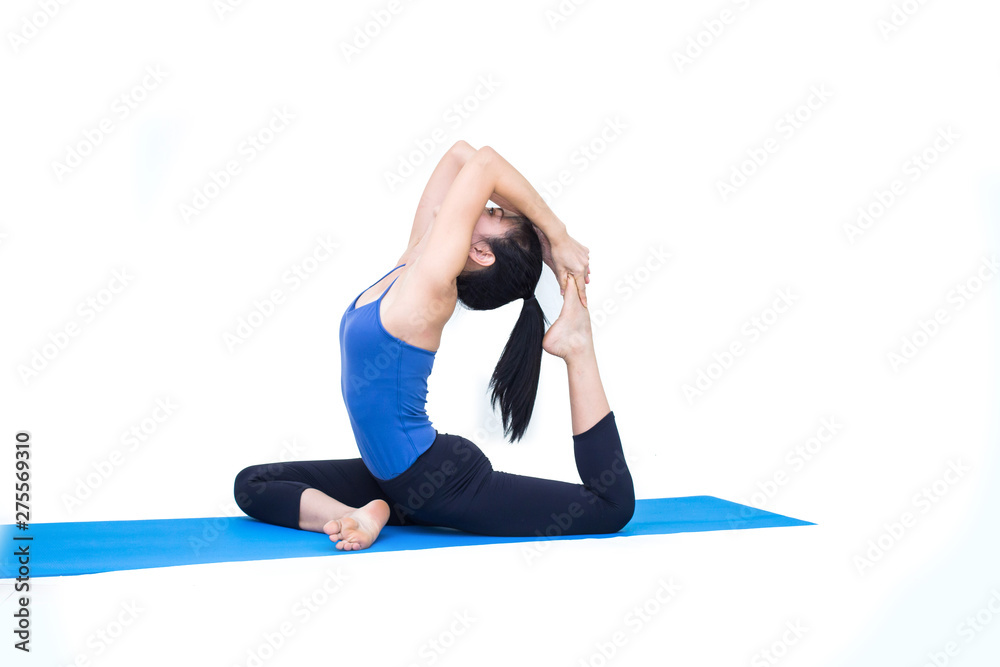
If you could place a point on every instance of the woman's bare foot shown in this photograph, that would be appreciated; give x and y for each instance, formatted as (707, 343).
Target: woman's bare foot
(570, 334)
(570, 337)
(359, 528)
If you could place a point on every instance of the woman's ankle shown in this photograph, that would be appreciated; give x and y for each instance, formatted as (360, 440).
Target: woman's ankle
(582, 354)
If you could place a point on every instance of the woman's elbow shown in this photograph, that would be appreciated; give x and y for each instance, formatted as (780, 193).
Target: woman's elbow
(485, 155)
(465, 149)
(460, 153)
(462, 149)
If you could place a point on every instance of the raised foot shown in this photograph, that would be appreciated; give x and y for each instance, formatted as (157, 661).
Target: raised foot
(358, 529)
(570, 334)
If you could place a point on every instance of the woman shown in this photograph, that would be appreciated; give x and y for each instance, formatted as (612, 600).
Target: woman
(409, 473)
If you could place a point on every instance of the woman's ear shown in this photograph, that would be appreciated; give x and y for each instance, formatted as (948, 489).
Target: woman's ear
(481, 254)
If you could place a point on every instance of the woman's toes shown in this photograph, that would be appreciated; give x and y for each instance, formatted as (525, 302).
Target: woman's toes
(359, 529)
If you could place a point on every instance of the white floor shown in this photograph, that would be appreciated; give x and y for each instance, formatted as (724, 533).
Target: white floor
(792, 211)
(700, 598)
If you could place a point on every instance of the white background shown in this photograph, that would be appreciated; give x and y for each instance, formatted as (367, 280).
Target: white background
(662, 134)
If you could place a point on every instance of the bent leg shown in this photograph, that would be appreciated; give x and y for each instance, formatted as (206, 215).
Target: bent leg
(454, 485)
(275, 492)
(509, 504)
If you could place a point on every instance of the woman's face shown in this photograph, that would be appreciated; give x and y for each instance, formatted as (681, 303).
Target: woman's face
(490, 223)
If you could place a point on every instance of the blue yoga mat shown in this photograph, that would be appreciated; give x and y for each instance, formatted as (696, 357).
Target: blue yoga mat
(87, 547)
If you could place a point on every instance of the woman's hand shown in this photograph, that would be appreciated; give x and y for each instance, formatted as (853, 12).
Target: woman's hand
(568, 259)
(546, 248)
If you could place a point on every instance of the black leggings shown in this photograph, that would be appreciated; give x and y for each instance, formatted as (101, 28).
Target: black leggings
(454, 485)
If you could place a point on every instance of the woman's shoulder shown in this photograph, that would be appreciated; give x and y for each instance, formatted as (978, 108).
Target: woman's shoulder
(413, 312)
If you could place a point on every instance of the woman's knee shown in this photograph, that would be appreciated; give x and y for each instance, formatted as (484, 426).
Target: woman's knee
(255, 476)
(252, 481)
(621, 514)
(247, 482)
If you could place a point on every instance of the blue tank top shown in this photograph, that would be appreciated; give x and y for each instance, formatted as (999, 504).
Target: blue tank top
(384, 382)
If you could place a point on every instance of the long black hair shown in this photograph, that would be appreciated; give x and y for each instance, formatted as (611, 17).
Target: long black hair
(515, 271)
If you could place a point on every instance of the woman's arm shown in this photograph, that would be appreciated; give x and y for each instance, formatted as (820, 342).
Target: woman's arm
(504, 204)
(450, 236)
(437, 187)
(513, 190)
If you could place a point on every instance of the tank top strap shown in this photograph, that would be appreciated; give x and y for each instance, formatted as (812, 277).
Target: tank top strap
(386, 290)
(383, 278)
(354, 303)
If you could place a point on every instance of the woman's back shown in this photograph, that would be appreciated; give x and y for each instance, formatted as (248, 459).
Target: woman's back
(384, 384)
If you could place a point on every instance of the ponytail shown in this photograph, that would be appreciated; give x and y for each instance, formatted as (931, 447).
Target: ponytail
(513, 275)
(515, 378)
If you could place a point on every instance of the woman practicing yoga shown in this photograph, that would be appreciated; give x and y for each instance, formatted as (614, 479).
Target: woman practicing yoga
(411, 474)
